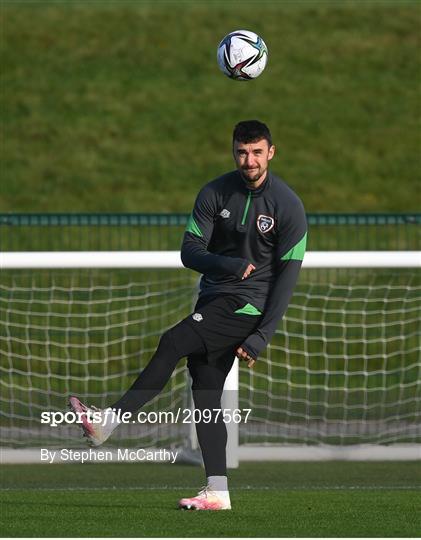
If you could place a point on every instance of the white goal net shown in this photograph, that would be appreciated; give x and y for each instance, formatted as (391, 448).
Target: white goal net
(343, 369)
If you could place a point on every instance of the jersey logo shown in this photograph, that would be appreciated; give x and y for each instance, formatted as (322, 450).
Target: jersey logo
(198, 317)
(265, 223)
(225, 213)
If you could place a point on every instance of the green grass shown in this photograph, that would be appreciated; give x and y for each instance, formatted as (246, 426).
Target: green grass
(119, 106)
(342, 499)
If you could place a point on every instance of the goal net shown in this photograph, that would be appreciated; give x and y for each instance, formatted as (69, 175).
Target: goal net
(343, 369)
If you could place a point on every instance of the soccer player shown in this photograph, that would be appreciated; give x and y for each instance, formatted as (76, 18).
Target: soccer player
(247, 236)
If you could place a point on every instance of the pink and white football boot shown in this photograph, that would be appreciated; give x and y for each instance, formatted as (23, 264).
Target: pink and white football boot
(207, 499)
(96, 431)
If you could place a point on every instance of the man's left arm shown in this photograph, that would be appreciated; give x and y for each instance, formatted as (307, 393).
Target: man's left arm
(289, 257)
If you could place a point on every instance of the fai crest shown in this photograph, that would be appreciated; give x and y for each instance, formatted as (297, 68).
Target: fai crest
(265, 223)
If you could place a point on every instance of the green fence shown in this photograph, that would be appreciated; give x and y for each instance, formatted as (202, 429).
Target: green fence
(84, 232)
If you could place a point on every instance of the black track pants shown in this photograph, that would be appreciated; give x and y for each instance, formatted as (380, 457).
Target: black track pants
(207, 387)
(209, 341)
(174, 344)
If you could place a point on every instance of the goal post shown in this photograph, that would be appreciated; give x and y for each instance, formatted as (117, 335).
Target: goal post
(341, 378)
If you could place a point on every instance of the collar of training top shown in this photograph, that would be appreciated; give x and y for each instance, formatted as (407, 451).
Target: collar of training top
(260, 190)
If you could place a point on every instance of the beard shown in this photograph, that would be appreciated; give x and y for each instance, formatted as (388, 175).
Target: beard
(252, 177)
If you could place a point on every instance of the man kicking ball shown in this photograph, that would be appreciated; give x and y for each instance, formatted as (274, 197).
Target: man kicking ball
(247, 236)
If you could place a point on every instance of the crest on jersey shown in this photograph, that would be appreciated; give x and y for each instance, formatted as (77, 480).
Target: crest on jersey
(265, 223)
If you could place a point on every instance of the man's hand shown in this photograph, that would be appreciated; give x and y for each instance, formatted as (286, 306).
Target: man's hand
(248, 271)
(242, 355)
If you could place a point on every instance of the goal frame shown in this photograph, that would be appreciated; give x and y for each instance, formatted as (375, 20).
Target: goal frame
(171, 259)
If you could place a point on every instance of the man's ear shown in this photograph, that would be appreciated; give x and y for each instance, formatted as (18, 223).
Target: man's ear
(271, 152)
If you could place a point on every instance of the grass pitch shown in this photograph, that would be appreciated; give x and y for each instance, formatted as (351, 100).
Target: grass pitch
(120, 106)
(345, 499)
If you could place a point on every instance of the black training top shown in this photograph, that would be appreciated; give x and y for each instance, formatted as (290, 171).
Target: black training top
(232, 226)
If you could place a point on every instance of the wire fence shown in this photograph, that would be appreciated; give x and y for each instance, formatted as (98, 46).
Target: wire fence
(85, 232)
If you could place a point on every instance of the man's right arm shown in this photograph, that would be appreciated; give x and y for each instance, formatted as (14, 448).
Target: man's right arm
(194, 250)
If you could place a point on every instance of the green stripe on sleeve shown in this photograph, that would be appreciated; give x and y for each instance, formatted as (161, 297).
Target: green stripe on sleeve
(193, 227)
(296, 253)
(248, 309)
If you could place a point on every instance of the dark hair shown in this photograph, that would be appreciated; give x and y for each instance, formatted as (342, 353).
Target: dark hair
(250, 131)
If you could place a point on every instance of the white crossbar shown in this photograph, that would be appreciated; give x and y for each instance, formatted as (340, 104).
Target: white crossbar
(171, 259)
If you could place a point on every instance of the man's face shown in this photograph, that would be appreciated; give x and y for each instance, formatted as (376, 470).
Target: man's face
(252, 160)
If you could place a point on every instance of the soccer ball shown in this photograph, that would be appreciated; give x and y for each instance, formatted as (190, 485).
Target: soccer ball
(242, 55)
